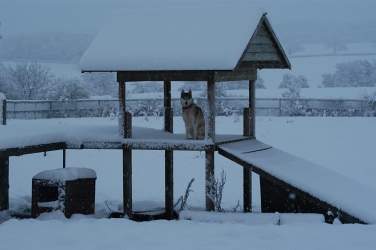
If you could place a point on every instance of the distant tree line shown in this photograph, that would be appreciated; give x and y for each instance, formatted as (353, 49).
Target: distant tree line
(360, 73)
(32, 81)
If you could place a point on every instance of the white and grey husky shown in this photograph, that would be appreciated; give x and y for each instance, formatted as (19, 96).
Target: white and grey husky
(193, 117)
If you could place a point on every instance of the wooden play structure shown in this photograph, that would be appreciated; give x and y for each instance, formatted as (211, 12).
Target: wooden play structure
(251, 45)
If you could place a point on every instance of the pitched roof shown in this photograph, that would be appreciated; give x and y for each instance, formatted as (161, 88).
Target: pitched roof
(213, 37)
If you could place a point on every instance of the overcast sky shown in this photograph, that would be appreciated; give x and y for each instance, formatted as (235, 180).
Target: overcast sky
(87, 16)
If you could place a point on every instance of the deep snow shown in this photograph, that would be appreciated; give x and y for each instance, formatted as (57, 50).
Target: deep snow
(345, 145)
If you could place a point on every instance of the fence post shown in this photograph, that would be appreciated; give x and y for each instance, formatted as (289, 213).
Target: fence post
(3, 103)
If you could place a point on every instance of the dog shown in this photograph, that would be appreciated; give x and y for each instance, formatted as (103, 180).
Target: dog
(193, 117)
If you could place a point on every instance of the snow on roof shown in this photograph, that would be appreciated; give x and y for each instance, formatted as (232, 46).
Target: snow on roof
(210, 36)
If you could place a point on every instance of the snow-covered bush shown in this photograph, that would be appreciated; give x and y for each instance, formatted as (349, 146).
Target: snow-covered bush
(215, 192)
(370, 101)
(293, 84)
(67, 89)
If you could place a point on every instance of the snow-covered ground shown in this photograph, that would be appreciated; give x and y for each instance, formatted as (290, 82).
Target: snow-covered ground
(344, 145)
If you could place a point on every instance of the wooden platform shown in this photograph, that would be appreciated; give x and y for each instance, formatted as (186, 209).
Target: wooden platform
(30, 140)
(292, 184)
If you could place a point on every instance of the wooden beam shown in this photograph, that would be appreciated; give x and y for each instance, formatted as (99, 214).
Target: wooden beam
(166, 75)
(4, 183)
(127, 182)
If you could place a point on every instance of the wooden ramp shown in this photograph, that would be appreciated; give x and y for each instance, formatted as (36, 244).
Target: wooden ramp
(291, 184)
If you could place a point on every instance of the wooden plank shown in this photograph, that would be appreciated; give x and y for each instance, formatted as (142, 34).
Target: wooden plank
(261, 65)
(4, 183)
(127, 182)
(261, 56)
(265, 39)
(262, 48)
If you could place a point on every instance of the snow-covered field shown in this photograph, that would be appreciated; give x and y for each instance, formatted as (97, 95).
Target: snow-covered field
(345, 145)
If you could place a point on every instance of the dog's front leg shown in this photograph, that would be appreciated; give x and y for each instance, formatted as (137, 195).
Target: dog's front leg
(188, 132)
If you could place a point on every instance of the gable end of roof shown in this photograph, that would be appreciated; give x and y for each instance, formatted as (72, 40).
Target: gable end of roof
(264, 50)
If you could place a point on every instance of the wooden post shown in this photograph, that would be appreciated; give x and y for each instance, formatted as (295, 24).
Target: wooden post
(127, 182)
(211, 111)
(169, 154)
(4, 183)
(249, 122)
(4, 112)
(209, 178)
(168, 111)
(209, 154)
(122, 109)
(64, 158)
(247, 189)
(249, 113)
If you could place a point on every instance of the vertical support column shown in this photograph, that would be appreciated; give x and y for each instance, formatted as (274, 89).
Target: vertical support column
(249, 122)
(64, 158)
(4, 183)
(247, 190)
(209, 179)
(249, 113)
(127, 182)
(169, 154)
(211, 111)
(209, 154)
(122, 108)
(125, 126)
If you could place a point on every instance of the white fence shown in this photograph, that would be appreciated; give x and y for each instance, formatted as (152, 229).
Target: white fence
(225, 106)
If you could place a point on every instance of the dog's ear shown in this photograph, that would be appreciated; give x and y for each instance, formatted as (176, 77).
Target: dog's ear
(182, 92)
(190, 92)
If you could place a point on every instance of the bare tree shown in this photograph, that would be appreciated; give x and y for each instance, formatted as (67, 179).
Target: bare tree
(29, 81)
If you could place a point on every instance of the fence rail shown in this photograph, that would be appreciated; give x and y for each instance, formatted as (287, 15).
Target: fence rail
(225, 106)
